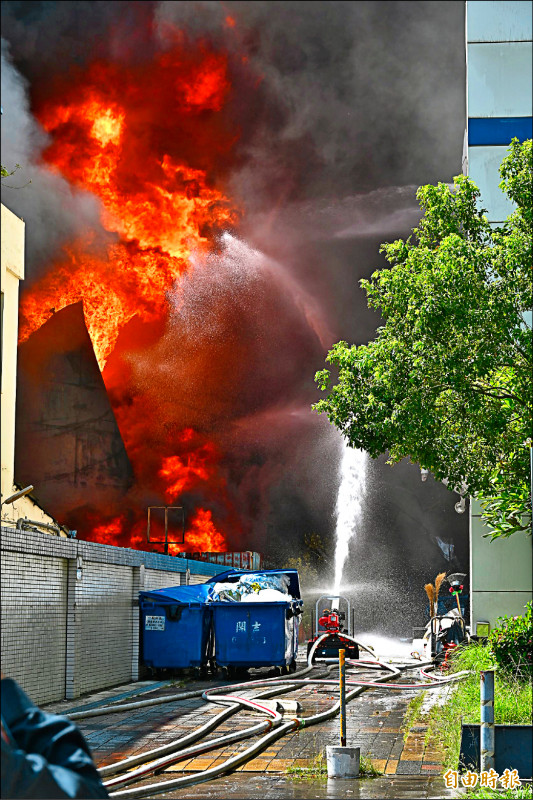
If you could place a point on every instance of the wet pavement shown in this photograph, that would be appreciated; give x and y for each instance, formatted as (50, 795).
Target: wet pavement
(282, 787)
(374, 723)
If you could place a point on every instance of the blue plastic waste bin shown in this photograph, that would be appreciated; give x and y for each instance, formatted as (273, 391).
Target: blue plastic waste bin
(175, 627)
(256, 634)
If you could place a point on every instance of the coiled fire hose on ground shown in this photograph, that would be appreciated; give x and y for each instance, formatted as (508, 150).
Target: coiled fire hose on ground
(132, 761)
(273, 728)
(200, 732)
(280, 729)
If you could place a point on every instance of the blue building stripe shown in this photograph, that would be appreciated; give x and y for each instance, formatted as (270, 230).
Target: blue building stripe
(498, 130)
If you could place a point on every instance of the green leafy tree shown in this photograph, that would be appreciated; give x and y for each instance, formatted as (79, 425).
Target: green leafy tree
(311, 563)
(511, 642)
(447, 380)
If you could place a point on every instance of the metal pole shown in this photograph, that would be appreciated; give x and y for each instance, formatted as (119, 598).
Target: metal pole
(487, 720)
(531, 475)
(342, 694)
(461, 618)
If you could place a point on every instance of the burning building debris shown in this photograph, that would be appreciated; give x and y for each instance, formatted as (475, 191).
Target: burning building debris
(63, 410)
(137, 140)
(148, 140)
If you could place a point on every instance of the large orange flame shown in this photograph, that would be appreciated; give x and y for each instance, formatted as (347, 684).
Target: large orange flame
(116, 285)
(146, 140)
(104, 139)
(202, 536)
(183, 475)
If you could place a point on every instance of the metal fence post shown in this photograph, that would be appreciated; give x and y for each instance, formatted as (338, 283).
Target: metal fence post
(342, 695)
(487, 720)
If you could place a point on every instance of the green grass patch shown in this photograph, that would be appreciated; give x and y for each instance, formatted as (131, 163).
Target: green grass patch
(367, 768)
(512, 692)
(485, 793)
(412, 715)
(512, 702)
(318, 768)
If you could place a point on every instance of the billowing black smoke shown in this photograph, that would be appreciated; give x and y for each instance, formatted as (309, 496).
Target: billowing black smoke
(343, 110)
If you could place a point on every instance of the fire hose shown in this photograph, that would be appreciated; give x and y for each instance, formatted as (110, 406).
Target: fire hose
(258, 746)
(173, 747)
(273, 728)
(189, 738)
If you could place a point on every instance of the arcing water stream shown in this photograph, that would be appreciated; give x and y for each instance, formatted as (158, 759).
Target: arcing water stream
(349, 505)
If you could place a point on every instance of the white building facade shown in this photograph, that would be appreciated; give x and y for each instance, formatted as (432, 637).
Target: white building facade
(499, 107)
(12, 272)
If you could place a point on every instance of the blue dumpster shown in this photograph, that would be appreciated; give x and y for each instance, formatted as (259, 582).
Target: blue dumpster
(175, 627)
(257, 634)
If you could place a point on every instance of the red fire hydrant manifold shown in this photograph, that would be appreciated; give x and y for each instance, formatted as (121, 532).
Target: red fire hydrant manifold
(329, 620)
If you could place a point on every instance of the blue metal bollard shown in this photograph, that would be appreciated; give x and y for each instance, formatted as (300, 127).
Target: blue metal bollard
(487, 720)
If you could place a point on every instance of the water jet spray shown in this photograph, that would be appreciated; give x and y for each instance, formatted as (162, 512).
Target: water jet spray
(349, 508)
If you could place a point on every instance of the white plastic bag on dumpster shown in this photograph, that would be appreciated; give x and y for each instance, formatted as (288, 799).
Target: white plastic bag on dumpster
(252, 587)
(257, 582)
(225, 591)
(265, 596)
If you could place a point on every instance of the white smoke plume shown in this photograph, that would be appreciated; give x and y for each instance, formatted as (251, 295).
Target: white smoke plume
(56, 210)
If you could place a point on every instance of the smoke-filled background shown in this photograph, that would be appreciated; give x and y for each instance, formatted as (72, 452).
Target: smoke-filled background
(209, 182)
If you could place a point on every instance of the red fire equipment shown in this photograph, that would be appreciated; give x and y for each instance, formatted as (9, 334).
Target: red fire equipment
(332, 619)
(329, 620)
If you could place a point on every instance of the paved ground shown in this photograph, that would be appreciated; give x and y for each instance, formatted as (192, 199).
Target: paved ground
(374, 723)
(281, 787)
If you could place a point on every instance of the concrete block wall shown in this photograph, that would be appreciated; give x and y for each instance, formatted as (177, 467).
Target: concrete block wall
(194, 579)
(157, 579)
(104, 603)
(34, 612)
(70, 610)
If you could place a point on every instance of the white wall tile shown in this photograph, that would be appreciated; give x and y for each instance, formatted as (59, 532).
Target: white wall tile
(499, 80)
(483, 167)
(498, 20)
